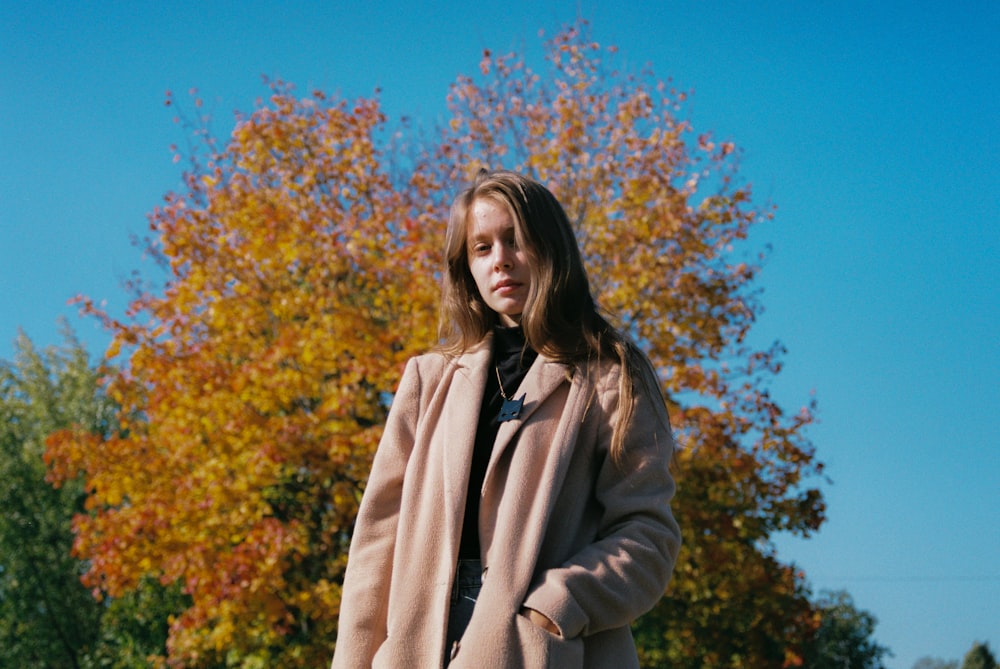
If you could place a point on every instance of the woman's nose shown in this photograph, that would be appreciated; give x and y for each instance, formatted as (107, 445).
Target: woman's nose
(503, 258)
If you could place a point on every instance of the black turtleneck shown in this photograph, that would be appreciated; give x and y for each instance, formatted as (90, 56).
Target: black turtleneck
(511, 358)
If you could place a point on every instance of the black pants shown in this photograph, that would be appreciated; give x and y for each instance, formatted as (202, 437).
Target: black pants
(464, 593)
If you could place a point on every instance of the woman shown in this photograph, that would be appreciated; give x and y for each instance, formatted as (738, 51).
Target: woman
(517, 513)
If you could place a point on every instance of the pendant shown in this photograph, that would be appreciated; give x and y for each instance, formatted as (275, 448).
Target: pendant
(510, 410)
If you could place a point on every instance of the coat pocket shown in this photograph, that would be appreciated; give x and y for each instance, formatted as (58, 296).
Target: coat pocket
(544, 650)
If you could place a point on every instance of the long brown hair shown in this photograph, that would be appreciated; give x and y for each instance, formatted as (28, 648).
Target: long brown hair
(561, 320)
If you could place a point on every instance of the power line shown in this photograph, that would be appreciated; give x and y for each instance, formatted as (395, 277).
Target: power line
(908, 579)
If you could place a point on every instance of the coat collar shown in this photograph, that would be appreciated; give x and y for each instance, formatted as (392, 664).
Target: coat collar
(543, 377)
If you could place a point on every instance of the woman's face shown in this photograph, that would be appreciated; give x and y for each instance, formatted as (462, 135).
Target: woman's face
(498, 266)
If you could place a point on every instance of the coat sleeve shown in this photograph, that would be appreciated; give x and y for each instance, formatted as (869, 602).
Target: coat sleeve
(361, 626)
(625, 571)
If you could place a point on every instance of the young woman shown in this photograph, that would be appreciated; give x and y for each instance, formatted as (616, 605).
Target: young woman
(518, 510)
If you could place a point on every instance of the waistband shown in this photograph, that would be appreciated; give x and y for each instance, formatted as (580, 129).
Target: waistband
(469, 573)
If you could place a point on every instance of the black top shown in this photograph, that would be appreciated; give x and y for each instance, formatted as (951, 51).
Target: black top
(511, 358)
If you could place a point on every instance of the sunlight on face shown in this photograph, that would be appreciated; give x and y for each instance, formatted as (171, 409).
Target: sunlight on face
(498, 266)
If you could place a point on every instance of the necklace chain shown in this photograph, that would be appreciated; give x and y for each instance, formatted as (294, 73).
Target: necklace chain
(502, 393)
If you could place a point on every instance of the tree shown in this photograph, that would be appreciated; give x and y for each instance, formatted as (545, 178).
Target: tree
(47, 618)
(134, 627)
(257, 382)
(979, 657)
(301, 272)
(844, 638)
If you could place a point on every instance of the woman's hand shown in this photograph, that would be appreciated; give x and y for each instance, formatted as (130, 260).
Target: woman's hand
(541, 620)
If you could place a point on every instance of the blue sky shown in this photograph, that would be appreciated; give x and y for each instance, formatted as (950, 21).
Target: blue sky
(874, 127)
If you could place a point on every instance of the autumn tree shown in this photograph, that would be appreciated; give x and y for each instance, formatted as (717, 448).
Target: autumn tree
(301, 262)
(256, 382)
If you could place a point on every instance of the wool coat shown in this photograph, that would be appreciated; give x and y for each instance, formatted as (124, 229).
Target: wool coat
(563, 529)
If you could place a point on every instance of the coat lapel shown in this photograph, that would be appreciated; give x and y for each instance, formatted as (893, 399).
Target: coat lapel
(460, 418)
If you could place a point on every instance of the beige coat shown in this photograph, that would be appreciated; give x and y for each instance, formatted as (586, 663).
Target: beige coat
(562, 529)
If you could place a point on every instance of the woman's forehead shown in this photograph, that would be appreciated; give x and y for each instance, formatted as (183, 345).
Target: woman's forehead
(489, 216)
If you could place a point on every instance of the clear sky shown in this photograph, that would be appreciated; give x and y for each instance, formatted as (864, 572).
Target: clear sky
(873, 126)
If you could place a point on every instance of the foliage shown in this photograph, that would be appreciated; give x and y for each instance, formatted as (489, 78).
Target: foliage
(255, 389)
(979, 657)
(844, 637)
(47, 617)
(302, 273)
(134, 627)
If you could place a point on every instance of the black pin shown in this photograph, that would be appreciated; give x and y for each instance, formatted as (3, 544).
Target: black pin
(511, 409)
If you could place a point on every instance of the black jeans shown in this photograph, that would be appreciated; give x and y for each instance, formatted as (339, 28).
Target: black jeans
(464, 593)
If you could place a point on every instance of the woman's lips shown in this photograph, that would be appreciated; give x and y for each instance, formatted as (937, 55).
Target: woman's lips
(506, 287)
